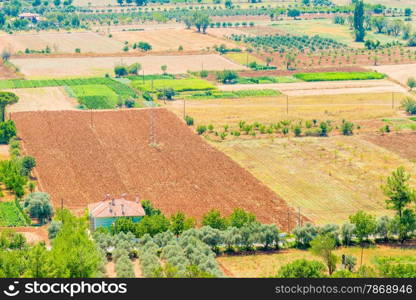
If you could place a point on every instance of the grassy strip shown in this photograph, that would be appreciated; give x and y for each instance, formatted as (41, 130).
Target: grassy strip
(10, 215)
(332, 76)
(95, 96)
(266, 79)
(179, 85)
(236, 94)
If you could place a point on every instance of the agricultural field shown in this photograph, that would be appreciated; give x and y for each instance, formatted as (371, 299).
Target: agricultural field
(87, 42)
(324, 87)
(328, 179)
(178, 85)
(10, 215)
(38, 99)
(267, 265)
(399, 73)
(327, 29)
(98, 66)
(172, 39)
(178, 168)
(388, 3)
(271, 109)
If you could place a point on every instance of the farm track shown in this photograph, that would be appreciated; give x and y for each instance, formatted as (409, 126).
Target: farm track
(81, 160)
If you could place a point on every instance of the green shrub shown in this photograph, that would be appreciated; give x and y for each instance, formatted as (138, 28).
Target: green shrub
(189, 120)
(201, 129)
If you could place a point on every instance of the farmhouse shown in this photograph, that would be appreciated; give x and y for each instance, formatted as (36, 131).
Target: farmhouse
(106, 212)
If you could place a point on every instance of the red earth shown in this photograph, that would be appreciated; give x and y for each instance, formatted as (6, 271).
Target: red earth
(81, 156)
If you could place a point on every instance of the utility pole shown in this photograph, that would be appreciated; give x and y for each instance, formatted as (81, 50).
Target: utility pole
(184, 107)
(288, 220)
(287, 104)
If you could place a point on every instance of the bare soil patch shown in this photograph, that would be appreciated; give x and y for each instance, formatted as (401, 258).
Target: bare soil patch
(399, 73)
(82, 156)
(402, 143)
(60, 42)
(33, 234)
(171, 39)
(37, 99)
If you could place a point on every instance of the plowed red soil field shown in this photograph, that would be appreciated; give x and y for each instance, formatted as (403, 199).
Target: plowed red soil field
(402, 143)
(81, 156)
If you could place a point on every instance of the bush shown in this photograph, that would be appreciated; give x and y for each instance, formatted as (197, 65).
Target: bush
(409, 105)
(227, 76)
(7, 131)
(28, 163)
(302, 268)
(347, 127)
(38, 205)
(147, 96)
(53, 229)
(120, 70)
(201, 129)
(189, 120)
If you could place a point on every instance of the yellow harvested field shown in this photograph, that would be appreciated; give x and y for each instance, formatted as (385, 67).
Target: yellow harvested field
(399, 73)
(60, 42)
(271, 109)
(38, 99)
(98, 66)
(323, 87)
(267, 265)
(171, 39)
(327, 178)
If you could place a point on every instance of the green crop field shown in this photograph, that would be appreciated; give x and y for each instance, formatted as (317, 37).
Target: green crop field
(179, 85)
(117, 87)
(10, 215)
(229, 95)
(94, 96)
(332, 76)
(266, 79)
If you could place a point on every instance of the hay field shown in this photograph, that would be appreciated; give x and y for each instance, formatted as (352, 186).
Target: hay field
(327, 178)
(323, 87)
(38, 99)
(266, 265)
(171, 39)
(271, 109)
(60, 42)
(399, 73)
(98, 66)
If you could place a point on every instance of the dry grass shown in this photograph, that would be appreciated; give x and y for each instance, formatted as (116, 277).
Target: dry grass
(271, 109)
(98, 66)
(171, 39)
(266, 265)
(60, 42)
(37, 99)
(398, 72)
(324, 87)
(327, 178)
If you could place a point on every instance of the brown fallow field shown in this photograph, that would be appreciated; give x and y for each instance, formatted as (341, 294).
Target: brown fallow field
(81, 156)
(60, 42)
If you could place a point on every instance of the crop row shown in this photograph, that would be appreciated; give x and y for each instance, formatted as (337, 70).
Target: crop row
(332, 76)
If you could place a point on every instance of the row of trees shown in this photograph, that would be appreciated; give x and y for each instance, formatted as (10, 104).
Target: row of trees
(73, 253)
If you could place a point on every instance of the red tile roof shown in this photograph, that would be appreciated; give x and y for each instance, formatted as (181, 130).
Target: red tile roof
(116, 208)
